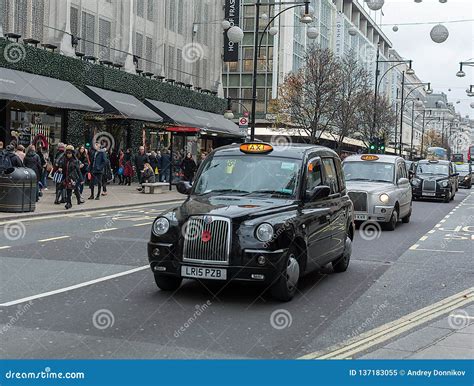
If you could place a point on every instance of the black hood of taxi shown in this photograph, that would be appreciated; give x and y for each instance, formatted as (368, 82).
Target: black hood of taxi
(233, 207)
(432, 177)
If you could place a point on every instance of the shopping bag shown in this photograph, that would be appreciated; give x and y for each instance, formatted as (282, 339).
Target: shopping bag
(58, 177)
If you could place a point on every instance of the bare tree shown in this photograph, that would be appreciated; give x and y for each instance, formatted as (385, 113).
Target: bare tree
(354, 90)
(307, 97)
(386, 119)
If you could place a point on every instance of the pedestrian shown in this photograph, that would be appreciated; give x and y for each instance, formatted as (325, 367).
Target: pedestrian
(202, 157)
(107, 175)
(188, 166)
(97, 171)
(9, 159)
(114, 163)
(60, 198)
(33, 161)
(154, 163)
(139, 161)
(147, 174)
(20, 152)
(1, 146)
(165, 166)
(72, 176)
(120, 167)
(84, 162)
(47, 165)
(128, 168)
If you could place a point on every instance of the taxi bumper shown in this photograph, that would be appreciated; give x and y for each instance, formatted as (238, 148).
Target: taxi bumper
(252, 265)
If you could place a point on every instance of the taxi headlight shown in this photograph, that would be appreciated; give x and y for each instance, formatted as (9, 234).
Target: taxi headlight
(161, 226)
(466, 177)
(264, 232)
(384, 198)
(415, 182)
(444, 184)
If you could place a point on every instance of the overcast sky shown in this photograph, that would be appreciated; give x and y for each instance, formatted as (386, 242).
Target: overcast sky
(433, 62)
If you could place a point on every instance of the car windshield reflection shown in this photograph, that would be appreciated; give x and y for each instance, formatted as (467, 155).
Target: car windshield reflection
(429, 168)
(369, 171)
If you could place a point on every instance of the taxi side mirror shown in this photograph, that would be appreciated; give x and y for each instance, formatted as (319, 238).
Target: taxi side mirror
(317, 193)
(184, 187)
(403, 181)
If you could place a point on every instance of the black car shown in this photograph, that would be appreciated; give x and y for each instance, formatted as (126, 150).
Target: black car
(256, 213)
(434, 179)
(465, 175)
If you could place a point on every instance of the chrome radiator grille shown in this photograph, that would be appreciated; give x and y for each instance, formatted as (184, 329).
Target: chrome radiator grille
(359, 199)
(207, 240)
(429, 186)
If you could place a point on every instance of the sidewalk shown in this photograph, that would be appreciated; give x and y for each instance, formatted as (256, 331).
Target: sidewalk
(118, 196)
(450, 337)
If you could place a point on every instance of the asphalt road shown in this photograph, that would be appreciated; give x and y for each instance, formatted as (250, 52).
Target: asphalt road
(77, 286)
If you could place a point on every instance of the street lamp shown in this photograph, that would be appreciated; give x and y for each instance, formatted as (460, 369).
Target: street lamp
(305, 19)
(470, 91)
(461, 73)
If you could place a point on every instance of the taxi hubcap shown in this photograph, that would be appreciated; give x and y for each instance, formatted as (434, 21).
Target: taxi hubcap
(292, 272)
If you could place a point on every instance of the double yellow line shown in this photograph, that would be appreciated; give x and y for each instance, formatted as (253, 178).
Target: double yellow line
(390, 330)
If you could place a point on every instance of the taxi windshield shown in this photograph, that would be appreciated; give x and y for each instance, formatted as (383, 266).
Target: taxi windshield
(249, 175)
(432, 168)
(462, 168)
(369, 171)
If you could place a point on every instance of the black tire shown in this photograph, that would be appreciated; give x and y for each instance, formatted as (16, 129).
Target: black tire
(469, 186)
(167, 283)
(406, 219)
(341, 264)
(284, 288)
(392, 224)
(447, 198)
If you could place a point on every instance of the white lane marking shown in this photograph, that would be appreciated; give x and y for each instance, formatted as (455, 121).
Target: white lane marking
(53, 239)
(432, 231)
(73, 287)
(141, 225)
(104, 230)
(5, 247)
(423, 238)
(414, 247)
(435, 250)
(437, 225)
(442, 221)
(56, 216)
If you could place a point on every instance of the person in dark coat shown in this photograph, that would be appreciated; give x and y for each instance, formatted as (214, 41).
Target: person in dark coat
(188, 166)
(165, 166)
(97, 171)
(139, 162)
(72, 176)
(60, 197)
(128, 167)
(83, 158)
(33, 161)
(15, 161)
(107, 176)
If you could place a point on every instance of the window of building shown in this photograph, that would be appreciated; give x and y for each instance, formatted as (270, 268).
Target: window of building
(104, 39)
(149, 10)
(149, 53)
(171, 63)
(21, 17)
(140, 8)
(139, 47)
(180, 17)
(74, 21)
(88, 33)
(179, 65)
(37, 11)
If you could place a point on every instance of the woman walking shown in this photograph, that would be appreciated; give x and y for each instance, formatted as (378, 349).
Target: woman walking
(72, 176)
(188, 167)
(128, 168)
(83, 158)
(97, 170)
(33, 161)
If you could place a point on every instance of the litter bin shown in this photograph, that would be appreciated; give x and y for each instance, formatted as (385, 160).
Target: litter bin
(18, 190)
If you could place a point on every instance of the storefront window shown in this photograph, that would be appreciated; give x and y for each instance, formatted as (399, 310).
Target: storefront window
(30, 126)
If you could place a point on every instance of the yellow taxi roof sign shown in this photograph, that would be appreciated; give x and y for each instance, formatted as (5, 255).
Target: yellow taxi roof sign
(369, 157)
(256, 148)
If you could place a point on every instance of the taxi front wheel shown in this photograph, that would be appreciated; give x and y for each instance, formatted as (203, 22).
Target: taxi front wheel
(284, 287)
(166, 282)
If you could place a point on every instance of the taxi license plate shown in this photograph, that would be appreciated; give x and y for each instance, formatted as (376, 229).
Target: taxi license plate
(204, 273)
(361, 217)
(429, 194)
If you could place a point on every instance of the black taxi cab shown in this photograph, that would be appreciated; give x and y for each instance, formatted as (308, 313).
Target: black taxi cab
(256, 213)
(436, 179)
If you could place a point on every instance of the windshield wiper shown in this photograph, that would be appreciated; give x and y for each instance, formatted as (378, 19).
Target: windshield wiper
(225, 191)
(274, 192)
(358, 179)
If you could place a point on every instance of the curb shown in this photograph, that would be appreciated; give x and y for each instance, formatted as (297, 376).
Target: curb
(19, 216)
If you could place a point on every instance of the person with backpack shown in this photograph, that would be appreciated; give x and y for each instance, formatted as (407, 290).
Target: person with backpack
(8, 159)
(33, 161)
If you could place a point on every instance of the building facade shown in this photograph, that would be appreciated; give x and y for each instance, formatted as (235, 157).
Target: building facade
(176, 39)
